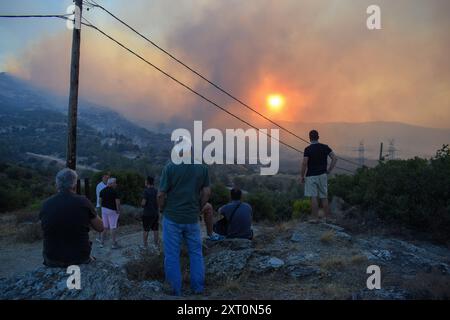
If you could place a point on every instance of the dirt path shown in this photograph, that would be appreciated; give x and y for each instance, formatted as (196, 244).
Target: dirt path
(18, 258)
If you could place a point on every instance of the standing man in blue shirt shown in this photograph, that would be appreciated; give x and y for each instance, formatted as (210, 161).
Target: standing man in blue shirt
(184, 189)
(315, 161)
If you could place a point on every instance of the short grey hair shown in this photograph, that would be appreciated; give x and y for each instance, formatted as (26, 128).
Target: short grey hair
(111, 181)
(66, 179)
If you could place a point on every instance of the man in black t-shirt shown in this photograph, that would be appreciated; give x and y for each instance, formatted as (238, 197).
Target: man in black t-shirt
(110, 203)
(66, 219)
(150, 216)
(315, 166)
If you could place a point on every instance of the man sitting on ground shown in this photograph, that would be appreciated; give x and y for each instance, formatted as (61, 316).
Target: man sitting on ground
(66, 219)
(239, 217)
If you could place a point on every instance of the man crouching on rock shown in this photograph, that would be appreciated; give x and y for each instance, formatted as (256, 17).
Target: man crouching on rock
(66, 219)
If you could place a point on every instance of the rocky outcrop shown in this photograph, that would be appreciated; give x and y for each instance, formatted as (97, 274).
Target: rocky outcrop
(294, 256)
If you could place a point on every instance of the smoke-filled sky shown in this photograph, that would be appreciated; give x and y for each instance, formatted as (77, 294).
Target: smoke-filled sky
(318, 54)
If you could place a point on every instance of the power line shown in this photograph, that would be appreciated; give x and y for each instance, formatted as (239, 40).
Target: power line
(191, 89)
(94, 4)
(61, 16)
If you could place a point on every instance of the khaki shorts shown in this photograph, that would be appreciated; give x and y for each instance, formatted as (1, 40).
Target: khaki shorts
(317, 186)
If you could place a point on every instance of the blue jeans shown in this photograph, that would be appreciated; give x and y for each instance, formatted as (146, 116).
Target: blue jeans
(173, 236)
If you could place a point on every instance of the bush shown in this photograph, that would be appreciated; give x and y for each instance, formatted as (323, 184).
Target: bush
(414, 192)
(220, 195)
(130, 186)
(29, 233)
(262, 206)
(301, 209)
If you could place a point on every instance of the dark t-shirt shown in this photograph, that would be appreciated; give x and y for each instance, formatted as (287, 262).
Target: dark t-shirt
(151, 205)
(241, 224)
(182, 183)
(317, 154)
(109, 196)
(65, 220)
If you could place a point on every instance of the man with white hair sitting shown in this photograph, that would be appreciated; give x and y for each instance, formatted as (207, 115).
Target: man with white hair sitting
(66, 219)
(110, 202)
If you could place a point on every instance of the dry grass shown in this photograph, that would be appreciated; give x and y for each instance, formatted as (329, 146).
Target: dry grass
(231, 286)
(335, 291)
(25, 216)
(29, 233)
(358, 259)
(147, 267)
(328, 237)
(434, 285)
(333, 263)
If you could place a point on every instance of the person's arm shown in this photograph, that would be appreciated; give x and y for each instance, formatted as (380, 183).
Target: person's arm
(161, 199)
(334, 160)
(164, 187)
(303, 169)
(220, 211)
(97, 224)
(118, 205)
(205, 194)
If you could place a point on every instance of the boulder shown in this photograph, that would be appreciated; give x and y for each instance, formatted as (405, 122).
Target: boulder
(297, 237)
(299, 272)
(263, 264)
(229, 244)
(301, 259)
(99, 280)
(226, 264)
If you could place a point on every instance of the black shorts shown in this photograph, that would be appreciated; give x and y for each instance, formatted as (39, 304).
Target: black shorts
(150, 223)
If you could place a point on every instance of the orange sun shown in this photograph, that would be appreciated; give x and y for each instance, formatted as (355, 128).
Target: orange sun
(275, 102)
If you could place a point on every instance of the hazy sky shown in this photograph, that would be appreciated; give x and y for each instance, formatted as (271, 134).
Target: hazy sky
(318, 54)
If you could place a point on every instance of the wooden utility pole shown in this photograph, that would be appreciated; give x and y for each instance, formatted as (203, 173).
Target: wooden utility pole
(73, 97)
(381, 158)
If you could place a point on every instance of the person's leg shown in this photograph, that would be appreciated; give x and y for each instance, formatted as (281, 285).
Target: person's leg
(193, 239)
(99, 214)
(326, 212)
(156, 238)
(145, 238)
(208, 216)
(155, 228)
(172, 237)
(322, 187)
(146, 229)
(113, 236)
(106, 226)
(113, 221)
(315, 207)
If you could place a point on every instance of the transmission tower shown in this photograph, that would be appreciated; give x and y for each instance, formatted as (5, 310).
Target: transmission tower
(391, 149)
(361, 150)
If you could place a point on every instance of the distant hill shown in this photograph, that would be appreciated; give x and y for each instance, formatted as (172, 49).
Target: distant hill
(409, 140)
(33, 121)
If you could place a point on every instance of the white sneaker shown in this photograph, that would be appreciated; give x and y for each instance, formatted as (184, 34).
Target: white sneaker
(215, 237)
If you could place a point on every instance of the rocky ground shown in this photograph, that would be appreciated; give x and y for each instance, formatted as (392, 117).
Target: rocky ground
(295, 260)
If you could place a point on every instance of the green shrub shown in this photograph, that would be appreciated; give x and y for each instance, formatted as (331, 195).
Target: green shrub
(262, 206)
(130, 186)
(220, 195)
(414, 192)
(301, 209)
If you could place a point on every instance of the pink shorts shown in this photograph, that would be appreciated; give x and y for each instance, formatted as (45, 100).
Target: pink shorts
(110, 218)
